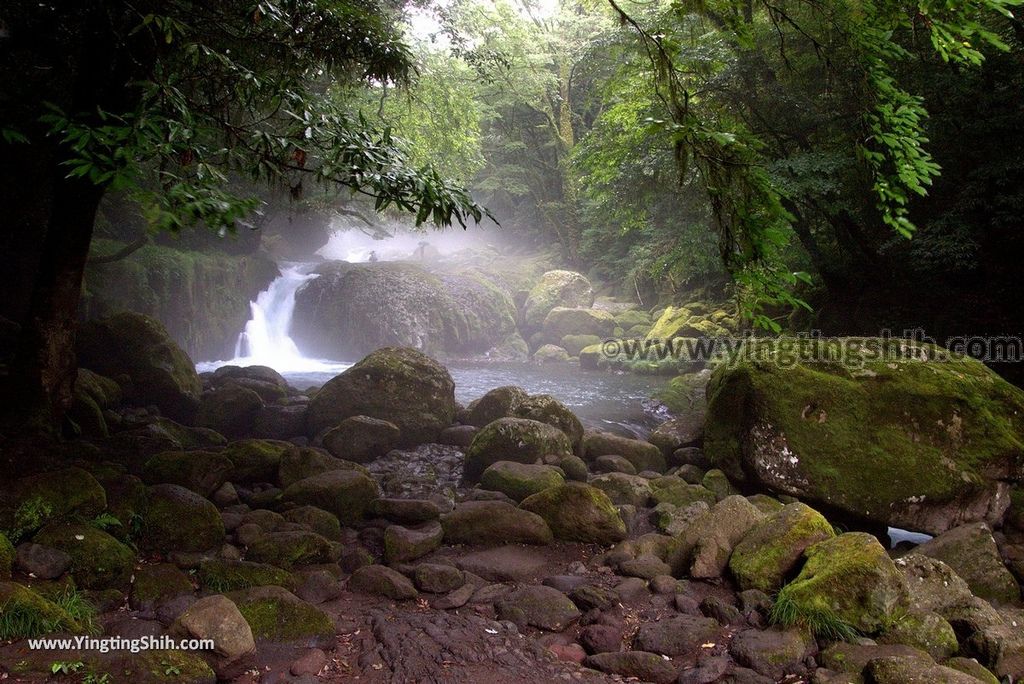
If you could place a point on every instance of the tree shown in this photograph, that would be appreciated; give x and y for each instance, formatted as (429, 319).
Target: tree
(168, 99)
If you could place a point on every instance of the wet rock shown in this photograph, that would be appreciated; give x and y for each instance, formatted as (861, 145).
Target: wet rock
(578, 512)
(647, 667)
(218, 618)
(345, 493)
(403, 544)
(676, 491)
(681, 635)
(546, 409)
(406, 511)
(972, 553)
(98, 560)
(504, 564)
(494, 522)
(773, 652)
(519, 480)
(500, 402)
(40, 561)
(382, 581)
(643, 455)
(705, 546)
(601, 639)
(436, 578)
(178, 519)
(538, 606)
(201, 471)
(513, 439)
(772, 548)
(396, 384)
(275, 614)
(565, 289)
(361, 439)
(230, 410)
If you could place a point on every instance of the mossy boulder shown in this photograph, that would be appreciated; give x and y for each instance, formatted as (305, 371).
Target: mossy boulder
(703, 549)
(716, 481)
(140, 348)
(929, 632)
(546, 409)
(221, 574)
(347, 494)
(30, 502)
(256, 460)
(946, 433)
(623, 488)
(277, 615)
(971, 551)
(91, 395)
(201, 471)
(493, 523)
(771, 550)
(550, 353)
(380, 580)
(849, 578)
(672, 323)
(315, 519)
(632, 318)
(361, 439)
(519, 480)
(307, 462)
(36, 615)
(230, 410)
(680, 432)
(555, 289)
(6, 557)
(397, 384)
(156, 584)
(403, 544)
(218, 618)
(98, 561)
(500, 402)
(538, 606)
(178, 519)
(288, 549)
(574, 344)
(562, 321)
(514, 439)
(912, 670)
(578, 512)
(678, 492)
(591, 356)
(643, 455)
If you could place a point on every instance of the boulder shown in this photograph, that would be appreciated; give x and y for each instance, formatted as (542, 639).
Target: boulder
(538, 606)
(315, 520)
(574, 344)
(156, 584)
(676, 491)
(139, 348)
(43, 616)
(406, 511)
(201, 471)
(555, 288)
(504, 563)
(519, 480)
(306, 462)
(550, 353)
(703, 549)
(513, 439)
(397, 384)
(853, 657)
(43, 562)
(680, 432)
(610, 463)
(578, 512)
(347, 494)
(230, 410)
(436, 578)
(932, 585)
(562, 321)
(218, 618)
(30, 502)
(945, 433)
(621, 488)
(275, 614)
(910, 670)
(361, 439)
(280, 422)
(929, 632)
(679, 635)
(290, 548)
(500, 402)
(644, 666)
(494, 523)
(221, 574)
(256, 460)
(382, 581)
(98, 561)
(771, 550)
(773, 652)
(178, 519)
(971, 551)
(546, 409)
(404, 544)
(715, 481)
(849, 578)
(643, 455)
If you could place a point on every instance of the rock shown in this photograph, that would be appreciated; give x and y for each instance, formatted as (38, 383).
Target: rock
(455, 598)
(406, 511)
(555, 289)
(458, 435)
(315, 520)
(994, 639)
(500, 402)
(851, 578)
(716, 482)
(286, 549)
(551, 353)
(974, 668)
(623, 489)
(404, 544)
(98, 561)
(201, 471)
(492, 523)
(231, 410)
(436, 578)
(256, 460)
(306, 462)
(40, 561)
(574, 467)
(971, 551)
(647, 667)
(399, 385)
(519, 480)
(643, 455)
(44, 616)
(30, 502)
(708, 671)
(601, 639)
(361, 439)
(932, 585)
(565, 321)
(156, 584)
(280, 422)
(504, 564)
(849, 657)
(177, 519)
(589, 597)
(766, 504)
(676, 491)
(348, 494)
(220, 574)
(382, 581)
(513, 439)
(673, 521)
(610, 463)
(574, 344)
(679, 432)
(773, 652)
(218, 618)
(704, 547)
(646, 566)
(309, 664)
(680, 635)
(137, 346)
(949, 451)
(538, 606)
(275, 614)
(578, 512)
(546, 409)
(902, 670)
(929, 632)
(772, 548)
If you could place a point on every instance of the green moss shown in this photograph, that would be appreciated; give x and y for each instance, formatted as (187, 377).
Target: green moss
(158, 582)
(201, 471)
(220, 575)
(177, 519)
(6, 557)
(676, 491)
(519, 480)
(274, 614)
(926, 631)
(574, 344)
(514, 439)
(31, 502)
(287, 549)
(166, 666)
(772, 549)
(24, 613)
(98, 560)
(578, 512)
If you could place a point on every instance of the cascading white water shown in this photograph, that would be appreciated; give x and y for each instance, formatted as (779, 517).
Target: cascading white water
(266, 340)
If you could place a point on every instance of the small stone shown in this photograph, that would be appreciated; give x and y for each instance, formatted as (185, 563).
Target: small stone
(681, 635)
(309, 664)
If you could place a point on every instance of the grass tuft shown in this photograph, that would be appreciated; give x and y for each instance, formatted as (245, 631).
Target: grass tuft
(821, 622)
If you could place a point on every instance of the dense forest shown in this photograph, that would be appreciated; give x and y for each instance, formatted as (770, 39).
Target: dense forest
(483, 340)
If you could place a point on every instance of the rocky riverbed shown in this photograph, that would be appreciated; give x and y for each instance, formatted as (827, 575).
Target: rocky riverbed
(376, 530)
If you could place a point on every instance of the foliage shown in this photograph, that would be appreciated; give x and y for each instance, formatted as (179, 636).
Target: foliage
(29, 517)
(822, 623)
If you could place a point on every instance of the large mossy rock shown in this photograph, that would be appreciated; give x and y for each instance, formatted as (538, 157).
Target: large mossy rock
(578, 512)
(340, 313)
(971, 551)
(178, 519)
(277, 615)
(201, 471)
(396, 384)
(38, 615)
(361, 439)
(256, 460)
(500, 402)
(546, 409)
(230, 410)
(703, 549)
(139, 348)
(492, 523)
(555, 289)
(98, 561)
(772, 548)
(562, 321)
(946, 434)
(520, 480)
(347, 494)
(849, 578)
(643, 455)
(514, 439)
(29, 503)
